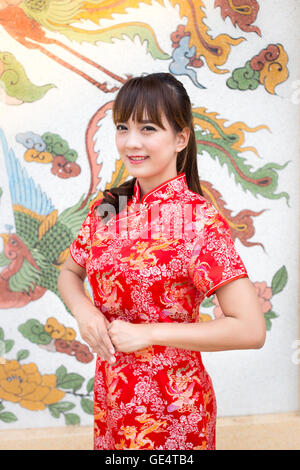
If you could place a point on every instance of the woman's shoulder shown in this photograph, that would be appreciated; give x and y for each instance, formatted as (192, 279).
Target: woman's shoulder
(208, 221)
(202, 207)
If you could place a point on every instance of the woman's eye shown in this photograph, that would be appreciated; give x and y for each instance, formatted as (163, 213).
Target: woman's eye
(149, 128)
(121, 127)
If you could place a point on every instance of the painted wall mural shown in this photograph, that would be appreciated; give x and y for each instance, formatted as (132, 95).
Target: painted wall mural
(61, 64)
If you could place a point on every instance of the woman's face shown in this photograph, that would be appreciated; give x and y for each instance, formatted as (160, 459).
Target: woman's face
(156, 147)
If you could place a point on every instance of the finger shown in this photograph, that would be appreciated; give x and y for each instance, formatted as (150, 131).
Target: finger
(110, 359)
(107, 356)
(101, 354)
(94, 345)
(90, 337)
(102, 331)
(91, 342)
(107, 342)
(109, 328)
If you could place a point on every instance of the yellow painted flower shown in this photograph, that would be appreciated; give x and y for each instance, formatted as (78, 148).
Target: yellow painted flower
(33, 155)
(24, 384)
(204, 317)
(59, 331)
(54, 328)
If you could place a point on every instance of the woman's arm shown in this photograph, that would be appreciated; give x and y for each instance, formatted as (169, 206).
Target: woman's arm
(91, 322)
(242, 326)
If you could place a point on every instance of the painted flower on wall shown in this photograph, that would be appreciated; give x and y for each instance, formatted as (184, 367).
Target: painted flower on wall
(264, 295)
(264, 292)
(55, 337)
(24, 384)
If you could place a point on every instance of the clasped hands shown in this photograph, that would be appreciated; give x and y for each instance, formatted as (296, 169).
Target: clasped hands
(105, 338)
(129, 337)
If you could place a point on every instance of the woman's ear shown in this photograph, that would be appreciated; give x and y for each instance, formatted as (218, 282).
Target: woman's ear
(183, 138)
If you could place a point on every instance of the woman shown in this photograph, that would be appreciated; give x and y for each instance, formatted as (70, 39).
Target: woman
(153, 248)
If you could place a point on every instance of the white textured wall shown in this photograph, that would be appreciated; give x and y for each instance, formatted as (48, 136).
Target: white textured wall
(246, 382)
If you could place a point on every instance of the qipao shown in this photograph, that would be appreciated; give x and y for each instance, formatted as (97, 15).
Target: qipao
(156, 261)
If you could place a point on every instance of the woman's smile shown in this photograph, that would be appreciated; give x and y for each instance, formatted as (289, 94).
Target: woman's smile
(137, 158)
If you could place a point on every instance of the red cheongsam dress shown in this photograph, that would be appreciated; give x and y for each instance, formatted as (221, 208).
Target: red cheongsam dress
(156, 261)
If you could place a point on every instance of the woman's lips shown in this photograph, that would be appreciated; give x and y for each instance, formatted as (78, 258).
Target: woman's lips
(135, 159)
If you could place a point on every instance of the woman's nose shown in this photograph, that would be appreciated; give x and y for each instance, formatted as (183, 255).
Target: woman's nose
(133, 140)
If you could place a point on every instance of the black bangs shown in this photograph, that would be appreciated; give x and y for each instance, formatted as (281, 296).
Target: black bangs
(141, 98)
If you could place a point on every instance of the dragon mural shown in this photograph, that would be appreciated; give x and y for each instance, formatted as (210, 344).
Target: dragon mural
(71, 35)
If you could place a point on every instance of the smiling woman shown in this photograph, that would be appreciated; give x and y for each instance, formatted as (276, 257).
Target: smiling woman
(159, 109)
(149, 151)
(152, 390)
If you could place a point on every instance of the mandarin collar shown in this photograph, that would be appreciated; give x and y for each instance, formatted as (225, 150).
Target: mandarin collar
(169, 189)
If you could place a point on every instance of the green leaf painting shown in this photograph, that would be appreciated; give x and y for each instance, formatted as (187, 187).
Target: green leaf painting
(87, 405)
(35, 332)
(7, 417)
(71, 419)
(71, 381)
(16, 83)
(279, 280)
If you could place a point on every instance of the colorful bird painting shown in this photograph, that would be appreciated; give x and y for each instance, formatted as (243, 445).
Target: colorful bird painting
(32, 256)
(27, 21)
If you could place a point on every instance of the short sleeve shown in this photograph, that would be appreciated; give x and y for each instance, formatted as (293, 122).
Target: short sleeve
(215, 260)
(80, 248)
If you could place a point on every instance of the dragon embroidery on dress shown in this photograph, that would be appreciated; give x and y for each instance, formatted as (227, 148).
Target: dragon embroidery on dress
(144, 355)
(139, 259)
(100, 414)
(113, 376)
(173, 298)
(201, 277)
(181, 388)
(138, 440)
(107, 289)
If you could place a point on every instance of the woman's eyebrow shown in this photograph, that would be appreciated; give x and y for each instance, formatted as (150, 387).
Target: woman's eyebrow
(142, 121)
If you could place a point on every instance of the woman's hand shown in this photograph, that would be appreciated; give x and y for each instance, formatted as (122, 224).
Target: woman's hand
(91, 322)
(129, 337)
(93, 327)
